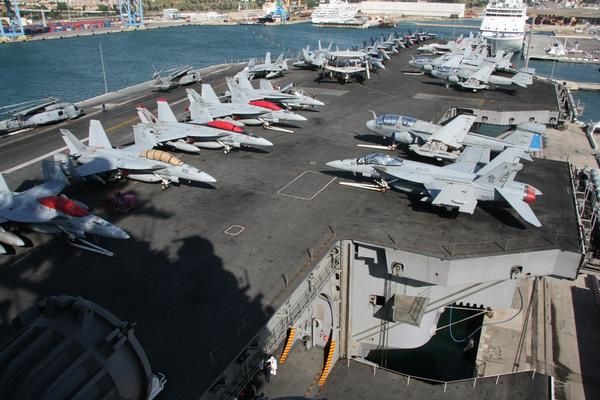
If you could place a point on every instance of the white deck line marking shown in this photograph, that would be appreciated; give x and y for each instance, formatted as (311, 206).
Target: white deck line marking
(33, 161)
(304, 198)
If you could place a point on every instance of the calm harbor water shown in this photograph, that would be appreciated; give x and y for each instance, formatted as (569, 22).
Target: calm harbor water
(70, 69)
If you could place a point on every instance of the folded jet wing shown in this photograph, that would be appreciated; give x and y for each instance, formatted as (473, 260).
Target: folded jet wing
(470, 159)
(483, 73)
(454, 194)
(453, 134)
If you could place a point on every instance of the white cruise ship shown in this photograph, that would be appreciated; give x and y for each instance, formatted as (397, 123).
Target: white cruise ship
(503, 24)
(338, 12)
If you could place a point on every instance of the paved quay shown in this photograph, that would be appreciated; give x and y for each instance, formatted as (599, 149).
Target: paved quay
(198, 294)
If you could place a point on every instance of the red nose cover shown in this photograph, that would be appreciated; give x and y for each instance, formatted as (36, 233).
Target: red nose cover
(266, 104)
(63, 205)
(226, 126)
(529, 196)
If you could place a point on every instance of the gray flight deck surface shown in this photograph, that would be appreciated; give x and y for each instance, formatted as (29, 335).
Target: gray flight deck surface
(199, 294)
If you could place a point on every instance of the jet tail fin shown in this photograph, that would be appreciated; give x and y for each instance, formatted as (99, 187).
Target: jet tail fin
(52, 172)
(279, 59)
(208, 94)
(98, 136)
(145, 116)
(522, 79)
(243, 81)
(165, 114)
(73, 144)
(268, 58)
(200, 114)
(237, 95)
(265, 85)
(3, 186)
(143, 139)
(500, 175)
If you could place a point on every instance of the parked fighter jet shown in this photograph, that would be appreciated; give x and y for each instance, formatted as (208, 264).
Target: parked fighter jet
(41, 209)
(453, 186)
(313, 59)
(267, 69)
(439, 141)
(175, 77)
(137, 162)
(480, 79)
(287, 96)
(34, 113)
(242, 111)
(205, 133)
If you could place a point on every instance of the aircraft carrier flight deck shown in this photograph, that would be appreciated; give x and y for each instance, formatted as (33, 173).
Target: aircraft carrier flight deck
(207, 266)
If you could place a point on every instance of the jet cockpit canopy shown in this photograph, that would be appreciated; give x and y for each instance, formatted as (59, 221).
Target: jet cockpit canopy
(379, 159)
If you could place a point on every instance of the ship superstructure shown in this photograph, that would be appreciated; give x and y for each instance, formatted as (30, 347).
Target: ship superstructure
(338, 12)
(503, 24)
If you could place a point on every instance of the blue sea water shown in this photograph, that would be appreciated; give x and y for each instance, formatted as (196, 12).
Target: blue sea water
(70, 69)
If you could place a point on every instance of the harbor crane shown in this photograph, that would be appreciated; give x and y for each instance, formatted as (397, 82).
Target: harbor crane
(132, 13)
(11, 28)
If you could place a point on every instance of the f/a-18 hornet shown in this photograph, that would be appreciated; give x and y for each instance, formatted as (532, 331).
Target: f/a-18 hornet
(288, 96)
(481, 79)
(42, 209)
(267, 69)
(204, 132)
(454, 186)
(446, 141)
(138, 162)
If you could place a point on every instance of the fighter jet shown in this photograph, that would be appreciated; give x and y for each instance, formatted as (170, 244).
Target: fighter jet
(137, 162)
(445, 142)
(241, 109)
(480, 79)
(313, 59)
(42, 209)
(287, 96)
(457, 186)
(204, 132)
(175, 77)
(34, 113)
(267, 69)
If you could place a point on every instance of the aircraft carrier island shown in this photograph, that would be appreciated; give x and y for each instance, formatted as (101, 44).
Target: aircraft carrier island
(277, 258)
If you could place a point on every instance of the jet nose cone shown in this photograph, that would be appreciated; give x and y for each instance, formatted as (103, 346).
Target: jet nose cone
(337, 164)
(263, 142)
(121, 234)
(204, 177)
(370, 125)
(296, 117)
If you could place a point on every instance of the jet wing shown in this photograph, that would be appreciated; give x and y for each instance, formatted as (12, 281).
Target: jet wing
(470, 158)
(520, 207)
(50, 188)
(453, 134)
(166, 135)
(453, 62)
(399, 173)
(96, 166)
(453, 194)
(483, 73)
